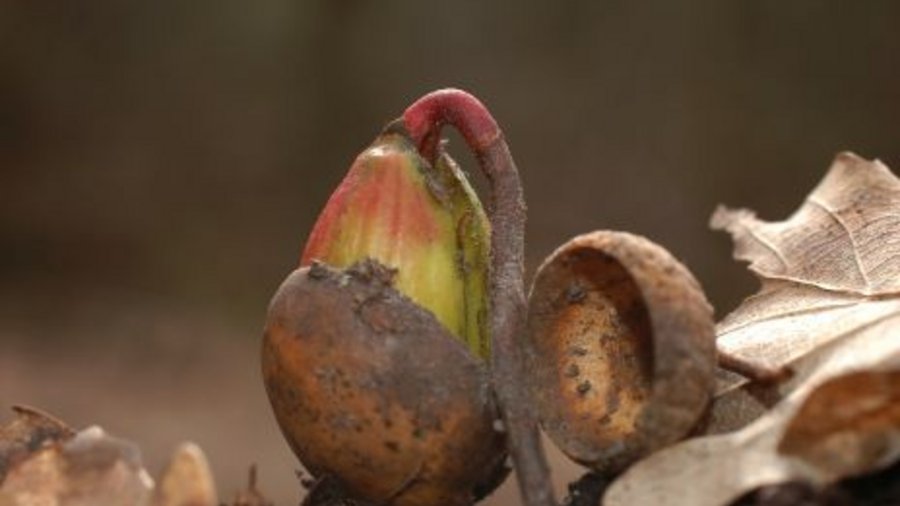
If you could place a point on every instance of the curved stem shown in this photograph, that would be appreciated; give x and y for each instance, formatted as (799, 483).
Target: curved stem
(424, 120)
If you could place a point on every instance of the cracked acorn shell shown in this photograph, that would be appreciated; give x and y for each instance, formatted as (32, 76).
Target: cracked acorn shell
(372, 391)
(621, 346)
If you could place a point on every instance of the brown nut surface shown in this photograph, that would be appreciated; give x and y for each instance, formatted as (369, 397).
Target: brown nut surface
(621, 347)
(369, 389)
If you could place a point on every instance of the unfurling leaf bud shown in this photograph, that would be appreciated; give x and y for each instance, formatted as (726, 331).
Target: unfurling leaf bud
(424, 221)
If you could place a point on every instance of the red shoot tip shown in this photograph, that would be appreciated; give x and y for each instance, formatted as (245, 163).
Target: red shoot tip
(425, 117)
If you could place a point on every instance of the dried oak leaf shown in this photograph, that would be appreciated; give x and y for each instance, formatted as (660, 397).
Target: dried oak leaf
(45, 462)
(829, 308)
(30, 430)
(91, 468)
(830, 280)
(848, 425)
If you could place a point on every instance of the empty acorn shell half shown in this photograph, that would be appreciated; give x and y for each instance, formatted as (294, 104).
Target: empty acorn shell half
(621, 347)
(371, 390)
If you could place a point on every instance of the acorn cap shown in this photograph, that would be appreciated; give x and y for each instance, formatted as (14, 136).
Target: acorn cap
(370, 389)
(621, 346)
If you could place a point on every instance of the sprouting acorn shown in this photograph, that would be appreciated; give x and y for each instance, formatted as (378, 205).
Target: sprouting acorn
(375, 354)
(621, 346)
(424, 221)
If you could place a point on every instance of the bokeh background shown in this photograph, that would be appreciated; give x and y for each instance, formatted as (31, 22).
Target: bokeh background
(161, 163)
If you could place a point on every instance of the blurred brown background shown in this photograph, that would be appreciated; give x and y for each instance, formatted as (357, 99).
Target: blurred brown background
(161, 163)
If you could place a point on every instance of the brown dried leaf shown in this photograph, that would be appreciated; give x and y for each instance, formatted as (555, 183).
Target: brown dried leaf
(830, 277)
(91, 468)
(848, 426)
(27, 433)
(43, 461)
(796, 441)
(829, 309)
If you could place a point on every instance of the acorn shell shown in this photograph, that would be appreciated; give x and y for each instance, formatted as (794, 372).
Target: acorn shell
(370, 390)
(621, 346)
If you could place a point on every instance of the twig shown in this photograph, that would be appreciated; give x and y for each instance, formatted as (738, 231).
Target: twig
(753, 371)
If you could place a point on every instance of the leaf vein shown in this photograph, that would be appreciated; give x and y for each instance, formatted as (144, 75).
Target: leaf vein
(771, 247)
(855, 246)
(789, 314)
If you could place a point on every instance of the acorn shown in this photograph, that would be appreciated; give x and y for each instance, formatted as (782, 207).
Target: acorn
(374, 354)
(621, 347)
